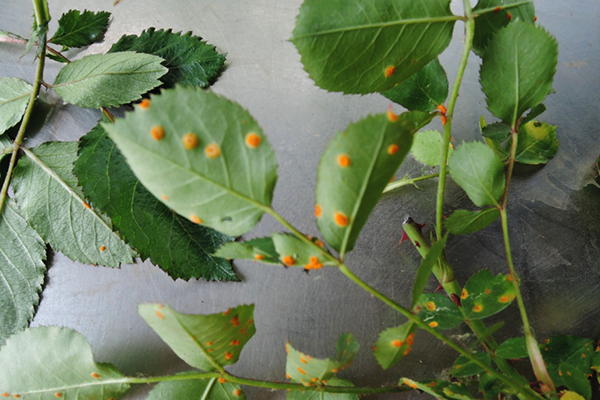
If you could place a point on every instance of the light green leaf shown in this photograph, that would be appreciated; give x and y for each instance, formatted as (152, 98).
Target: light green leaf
(47, 193)
(6, 147)
(567, 395)
(438, 311)
(423, 91)
(463, 222)
(424, 271)
(485, 294)
(514, 348)
(355, 169)
(575, 378)
(427, 148)
(14, 97)
(295, 252)
(394, 344)
(496, 137)
(463, 367)
(47, 363)
(22, 255)
(476, 168)
(370, 46)
(260, 249)
(196, 389)
(78, 29)
(298, 395)
(517, 70)
(108, 80)
(537, 143)
(203, 341)
(225, 176)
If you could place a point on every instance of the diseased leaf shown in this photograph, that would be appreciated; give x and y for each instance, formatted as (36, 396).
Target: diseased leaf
(47, 193)
(181, 248)
(47, 363)
(439, 311)
(517, 70)
(537, 143)
(202, 341)
(294, 252)
(208, 157)
(79, 29)
(567, 395)
(195, 389)
(355, 169)
(476, 168)
(298, 395)
(365, 47)
(463, 222)
(427, 148)
(423, 91)
(485, 294)
(394, 344)
(424, 271)
(190, 60)
(14, 97)
(514, 348)
(596, 362)
(463, 367)
(567, 349)
(575, 378)
(260, 249)
(108, 80)
(22, 255)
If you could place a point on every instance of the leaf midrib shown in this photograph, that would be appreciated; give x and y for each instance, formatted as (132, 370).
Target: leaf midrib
(62, 84)
(53, 390)
(12, 99)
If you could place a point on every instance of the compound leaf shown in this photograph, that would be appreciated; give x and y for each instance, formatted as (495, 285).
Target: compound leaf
(517, 70)
(14, 97)
(260, 249)
(108, 80)
(178, 246)
(295, 252)
(355, 169)
(47, 363)
(195, 389)
(204, 156)
(370, 46)
(393, 344)
(485, 294)
(463, 222)
(202, 341)
(49, 198)
(79, 29)
(439, 311)
(22, 255)
(537, 143)
(308, 395)
(191, 61)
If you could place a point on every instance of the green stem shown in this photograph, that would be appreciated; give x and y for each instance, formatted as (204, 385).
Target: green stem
(405, 182)
(42, 14)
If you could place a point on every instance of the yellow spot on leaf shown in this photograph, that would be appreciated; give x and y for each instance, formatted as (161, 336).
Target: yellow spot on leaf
(259, 257)
(160, 315)
(222, 380)
(102, 248)
(301, 371)
(478, 308)
(430, 306)
(190, 141)
(95, 375)
(195, 219)
(288, 261)
(391, 116)
(433, 324)
(343, 160)
(505, 299)
(228, 356)
(340, 219)
(393, 149)
(157, 132)
(464, 294)
(237, 392)
(145, 104)
(397, 343)
(212, 150)
(253, 140)
(164, 197)
(318, 211)
(389, 71)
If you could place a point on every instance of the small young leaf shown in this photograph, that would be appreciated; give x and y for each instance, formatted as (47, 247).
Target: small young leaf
(575, 378)
(77, 29)
(195, 389)
(533, 114)
(294, 252)
(439, 311)
(14, 97)
(49, 198)
(202, 341)
(423, 91)
(496, 136)
(191, 61)
(485, 294)
(424, 271)
(181, 248)
(567, 395)
(108, 80)
(47, 363)
(363, 48)
(477, 169)
(489, 386)
(298, 395)
(517, 70)
(208, 156)
(514, 348)
(22, 255)
(427, 148)
(463, 367)
(393, 344)
(463, 222)
(355, 169)
(260, 249)
(537, 143)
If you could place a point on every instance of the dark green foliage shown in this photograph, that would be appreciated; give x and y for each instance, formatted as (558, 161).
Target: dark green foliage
(79, 29)
(438, 311)
(463, 222)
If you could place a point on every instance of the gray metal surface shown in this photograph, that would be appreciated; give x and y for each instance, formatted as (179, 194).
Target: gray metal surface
(553, 214)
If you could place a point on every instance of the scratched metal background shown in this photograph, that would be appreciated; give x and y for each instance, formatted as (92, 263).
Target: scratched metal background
(554, 217)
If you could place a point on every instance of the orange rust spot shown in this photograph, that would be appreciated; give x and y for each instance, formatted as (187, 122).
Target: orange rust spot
(95, 375)
(560, 373)
(497, 9)
(397, 343)
(314, 379)
(160, 315)
(583, 355)
(441, 108)
(212, 150)
(253, 140)
(288, 376)
(487, 291)
(5, 394)
(505, 299)
(391, 116)
(410, 339)
(228, 356)
(58, 394)
(374, 348)
(343, 160)
(444, 119)
(534, 18)
(164, 197)
(410, 383)
(308, 357)
(319, 243)
(393, 149)
(508, 16)
(432, 384)
(478, 308)
(287, 347)
(407, 351)
(227, 311)
(16, 396)
(190, 141)
(102, 248)
(430, 306)
(569, 373)
(335, 370)
(309, 267)
(235, 342)
(235, 321)
(303, 360)
(464, 294)
(318, 211)
(288, 261)
(340, 219)
(222, 380)
(259, 257)
(237, 392)
(301, 371)
(389, 71)
(145, 104)
(209, 343)
(210, 350)
(195, 219)
(157, 132)
(433, 324)
(86, 205)
(509, 278)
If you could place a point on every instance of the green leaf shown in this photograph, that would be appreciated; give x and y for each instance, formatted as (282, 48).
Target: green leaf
(191, 61)
(476, 168)
(575, 378)
(463, 222)
(486, 25)
(517, 70)
(596, 362)
(355, 169)
(427, 148)
(439, 389)
(179, 247)
(225, 176)
(79, 29)
(203, 341)
(298, 395)
(512, 349)
(535, 112)
(423, 91)
(260, 249)
(47, 363)
(394, 344)
(490, 386)
(463, 367)
(537, 143)
(310, 371)
(49, 198)
(295, 252)
(14, 97)
(6, 147)
(195, 389)
(496, 136)
(369, 46)
(439, 311)
(22, 255)
(567, 395)
(485, 294)
(424, 271)
(108, 80)
(567, 349)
